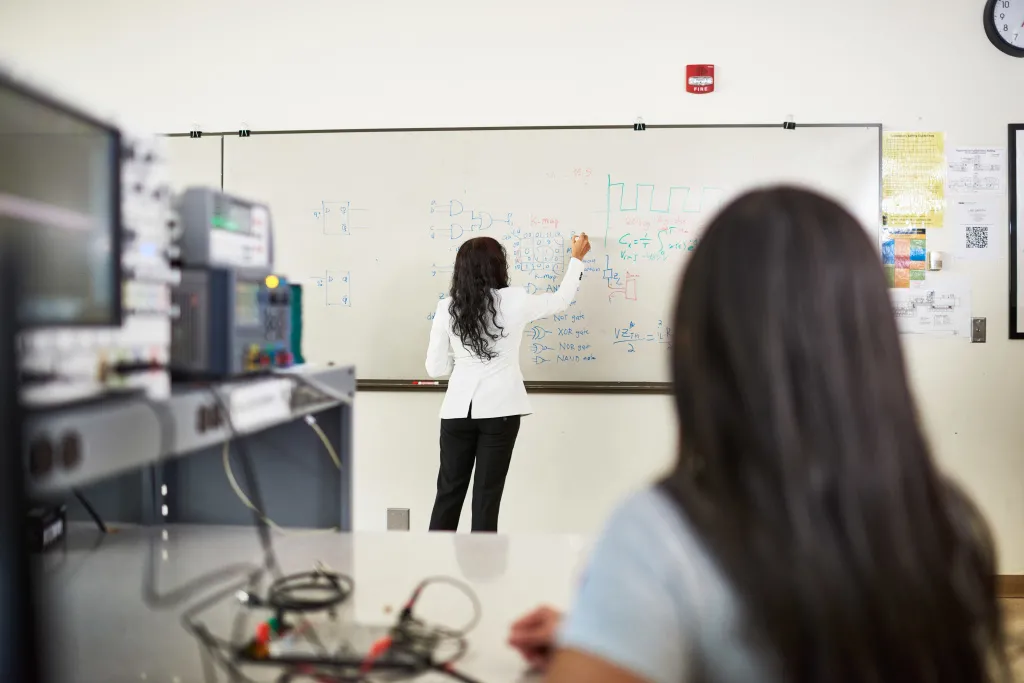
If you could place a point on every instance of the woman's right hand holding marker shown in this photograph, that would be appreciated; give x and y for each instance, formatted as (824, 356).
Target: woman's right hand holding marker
(580, 246)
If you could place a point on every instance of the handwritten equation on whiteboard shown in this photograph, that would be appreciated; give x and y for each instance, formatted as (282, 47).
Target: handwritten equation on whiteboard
(649, 231)
(634, 337)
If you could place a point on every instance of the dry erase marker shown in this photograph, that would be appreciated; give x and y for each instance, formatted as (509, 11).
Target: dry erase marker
(426, 384)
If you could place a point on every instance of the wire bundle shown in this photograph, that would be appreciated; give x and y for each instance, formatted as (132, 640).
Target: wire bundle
(411, 648)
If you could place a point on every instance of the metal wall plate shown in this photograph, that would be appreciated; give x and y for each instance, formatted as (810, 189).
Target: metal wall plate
(978, 330)
(398, 519)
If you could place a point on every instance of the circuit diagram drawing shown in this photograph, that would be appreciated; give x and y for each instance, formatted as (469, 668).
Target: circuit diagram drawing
(337, 287)
(537, 332)
(452, 220)
(942, 310)
(338, 218)
(925, 301)
(619, 284)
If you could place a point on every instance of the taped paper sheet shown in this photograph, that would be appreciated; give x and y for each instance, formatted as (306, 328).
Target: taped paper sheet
(976, 170)
(942, 309)
(976, 232)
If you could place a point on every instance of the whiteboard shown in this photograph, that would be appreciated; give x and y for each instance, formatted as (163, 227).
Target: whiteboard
(370, 222)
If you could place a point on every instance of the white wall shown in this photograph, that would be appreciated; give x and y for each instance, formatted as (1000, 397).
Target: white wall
(913, 64)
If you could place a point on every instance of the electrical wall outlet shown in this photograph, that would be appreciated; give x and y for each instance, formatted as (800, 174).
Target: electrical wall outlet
(978, 326)
(398, 519)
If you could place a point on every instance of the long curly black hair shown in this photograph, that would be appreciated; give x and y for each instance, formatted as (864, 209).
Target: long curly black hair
(481, 266)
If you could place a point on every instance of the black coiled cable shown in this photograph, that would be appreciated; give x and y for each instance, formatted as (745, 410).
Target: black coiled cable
(285, 593)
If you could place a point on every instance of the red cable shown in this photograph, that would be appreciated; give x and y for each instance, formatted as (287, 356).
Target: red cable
(376, 651)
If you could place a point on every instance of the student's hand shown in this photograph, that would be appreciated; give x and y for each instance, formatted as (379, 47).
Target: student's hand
(533, 635)
(580, 246)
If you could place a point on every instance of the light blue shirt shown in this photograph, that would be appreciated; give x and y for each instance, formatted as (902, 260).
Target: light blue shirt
(653, 603)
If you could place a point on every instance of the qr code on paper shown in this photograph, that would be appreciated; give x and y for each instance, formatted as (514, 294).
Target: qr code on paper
(977, 237)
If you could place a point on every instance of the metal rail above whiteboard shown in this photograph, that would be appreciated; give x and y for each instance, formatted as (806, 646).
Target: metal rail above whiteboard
(654, 126)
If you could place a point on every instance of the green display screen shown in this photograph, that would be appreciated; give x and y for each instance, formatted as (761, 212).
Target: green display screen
(234, 218)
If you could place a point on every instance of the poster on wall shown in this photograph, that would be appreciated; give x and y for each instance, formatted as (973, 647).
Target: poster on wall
(904, 256)
(1015, 180)
(913, 180)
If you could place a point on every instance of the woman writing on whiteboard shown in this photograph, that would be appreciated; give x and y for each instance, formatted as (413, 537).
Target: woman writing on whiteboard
(476, 336)
(805, 534)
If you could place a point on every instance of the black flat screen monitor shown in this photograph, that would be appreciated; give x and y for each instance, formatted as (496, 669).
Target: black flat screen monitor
(60, 198)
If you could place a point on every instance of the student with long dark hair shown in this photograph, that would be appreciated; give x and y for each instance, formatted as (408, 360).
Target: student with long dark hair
(805, 535)
(476, 336)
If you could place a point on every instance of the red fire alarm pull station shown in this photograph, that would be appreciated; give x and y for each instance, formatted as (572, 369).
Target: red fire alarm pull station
(700, 78)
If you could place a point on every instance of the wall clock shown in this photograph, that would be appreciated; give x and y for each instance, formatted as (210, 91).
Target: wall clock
(1004, 25)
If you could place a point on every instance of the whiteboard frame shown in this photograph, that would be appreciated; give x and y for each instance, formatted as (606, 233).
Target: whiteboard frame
(416, 384)
(1015, 188)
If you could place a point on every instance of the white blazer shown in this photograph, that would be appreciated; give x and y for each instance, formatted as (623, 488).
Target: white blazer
(493, 387)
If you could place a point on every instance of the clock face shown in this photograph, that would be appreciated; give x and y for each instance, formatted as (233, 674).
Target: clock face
(1006, 25)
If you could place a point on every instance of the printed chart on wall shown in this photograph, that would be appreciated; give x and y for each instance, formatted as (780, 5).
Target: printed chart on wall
(904, 255)
(940, 309)
(371, 222)
(913, 180)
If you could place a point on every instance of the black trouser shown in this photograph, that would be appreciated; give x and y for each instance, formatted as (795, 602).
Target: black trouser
(488, 443)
